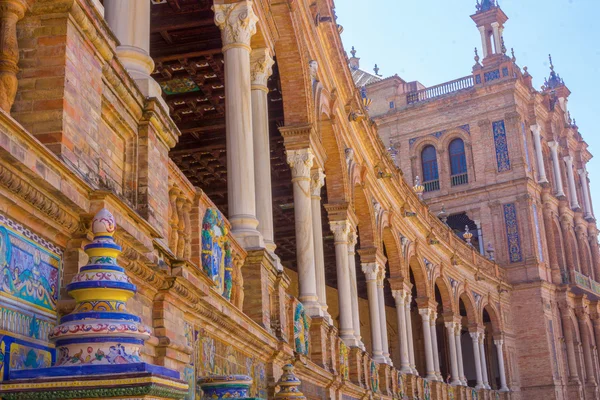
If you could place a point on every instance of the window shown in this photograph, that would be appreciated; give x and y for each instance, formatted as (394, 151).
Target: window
(392, 105)
(458, 163)
(430, 169)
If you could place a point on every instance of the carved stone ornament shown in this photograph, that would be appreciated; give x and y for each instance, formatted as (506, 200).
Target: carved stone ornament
(237, 22)
(317, 180)
(341, 230)
(300, 161)
(371, 271)
(261, 66)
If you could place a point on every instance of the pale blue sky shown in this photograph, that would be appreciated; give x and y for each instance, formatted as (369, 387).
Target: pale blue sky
(433, 41)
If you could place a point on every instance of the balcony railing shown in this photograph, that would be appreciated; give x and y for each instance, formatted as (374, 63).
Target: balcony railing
(460, 179)
(431, 186)
(587, 282)
(440, 90)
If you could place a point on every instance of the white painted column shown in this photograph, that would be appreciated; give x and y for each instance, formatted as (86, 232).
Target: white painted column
(587, 206)
(537, 141)
(261, 62)
(317, 181)
(340, 230)
(399, 296)
(385, 348)
(130, 22)
(499, 347)
(450, 326)
(459, 354)
(497, 38)
(556, 167)
(434, 346)
(477, 360)
(571, 179)
(371, 271)
(484, 373)
(301, 162)
(237, 22)
(352, 238)
(430, 367)
(484, 47)
(409, 334)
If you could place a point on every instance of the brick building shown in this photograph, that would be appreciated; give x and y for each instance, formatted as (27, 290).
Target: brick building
(192, 196)
(507, 163)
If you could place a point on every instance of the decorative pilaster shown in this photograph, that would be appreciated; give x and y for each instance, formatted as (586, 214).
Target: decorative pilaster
(500, 349)
(371, 271)
(399, 296)
(11, 11)
(587, 205)
(300, 162)
(340, 230)
(477, 357)
(571, 179)
(317, 180)
(559, 192)
(537, 140)
(430, 367)
(237, 22)
(261, 63)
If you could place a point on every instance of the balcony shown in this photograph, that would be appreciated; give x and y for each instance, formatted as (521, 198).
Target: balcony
(431, 186)
(440, 90)
(460, 179)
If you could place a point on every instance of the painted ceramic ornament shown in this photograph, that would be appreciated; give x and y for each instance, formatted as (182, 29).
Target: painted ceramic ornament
(289, 385)
(301, 330)
(426, 390)
(217, 261)
(374, 377)
(216, 387)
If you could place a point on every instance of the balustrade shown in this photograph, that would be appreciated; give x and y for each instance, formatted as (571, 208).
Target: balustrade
(440, 90)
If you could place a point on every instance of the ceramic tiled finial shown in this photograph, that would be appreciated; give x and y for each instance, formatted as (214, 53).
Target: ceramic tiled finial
(289, 385)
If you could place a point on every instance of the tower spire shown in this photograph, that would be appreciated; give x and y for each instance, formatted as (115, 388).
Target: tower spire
(490, 20)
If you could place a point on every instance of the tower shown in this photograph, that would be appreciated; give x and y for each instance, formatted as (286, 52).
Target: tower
(490, 20)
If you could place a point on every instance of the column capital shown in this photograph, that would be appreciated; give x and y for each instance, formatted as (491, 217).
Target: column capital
(474, 336)
(371, 271)
(498, 342)
(450, 325)
(352, 240)
(399, 296)
(237, 22)
(553, 145)
(582, 172)
(535, 128)
(341, 231)
(300, 161)
(261, 67)
(425, 313)
(568, 159)
(317, 180)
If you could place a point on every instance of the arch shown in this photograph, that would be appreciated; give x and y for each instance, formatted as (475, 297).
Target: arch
(366, 219)
(419, 273)
(335, 168)
(470, 312)
(445, 291)
(457, 157)
(394, 253)
(493, 316)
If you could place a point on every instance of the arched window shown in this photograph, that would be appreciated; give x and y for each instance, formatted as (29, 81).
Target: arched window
(430, 169)
(458, 163)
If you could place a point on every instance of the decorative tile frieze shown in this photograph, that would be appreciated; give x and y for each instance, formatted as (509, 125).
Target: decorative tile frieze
(512, 233)
(501, 146)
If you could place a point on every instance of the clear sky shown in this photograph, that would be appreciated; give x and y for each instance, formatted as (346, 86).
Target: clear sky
(432, 41)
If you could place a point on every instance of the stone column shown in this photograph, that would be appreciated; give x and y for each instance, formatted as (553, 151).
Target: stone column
(571, 179)
(477, 360)
(382, 317)
(11, 12)
(484, 42)
(371, 271)
(261, 62)
(587, 204)
(130, 22)
(352, 238)
(459, 354)
(399, 296)
(484, 373)
(499, 348)
(409, 334)
(586, 341)
(450, 326)
(430, 367)
(301, 162)
(537, 141)
(559, 191)
(434, 346)
(317, 180)
(237, 22)
(497, 39)
(340, 231)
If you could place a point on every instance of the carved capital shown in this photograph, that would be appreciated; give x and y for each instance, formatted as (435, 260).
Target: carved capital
(341, 231)
(300, 161)
(352, 239)
(568, 160)
(317, 180)
(399, 296)
(261, 67)
(371, 271)
(237, 22)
